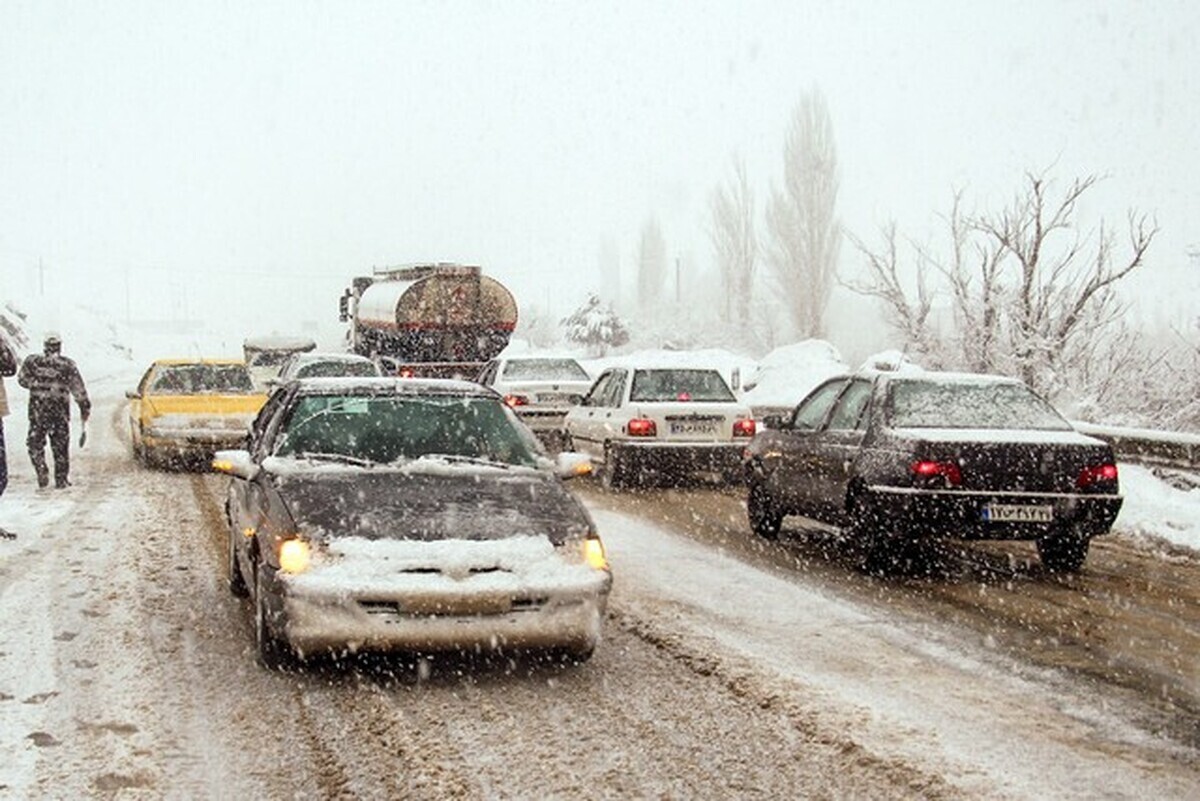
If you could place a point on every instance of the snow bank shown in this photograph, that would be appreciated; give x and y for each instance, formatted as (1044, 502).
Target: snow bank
(723, 361)
(1156, 511)
(788, 373)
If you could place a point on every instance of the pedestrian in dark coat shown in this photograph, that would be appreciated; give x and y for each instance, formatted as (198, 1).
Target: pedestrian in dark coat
(8, 366)
(52, 380)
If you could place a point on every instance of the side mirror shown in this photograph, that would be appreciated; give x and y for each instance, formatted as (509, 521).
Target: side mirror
(572, 465)
(235, 463)
(132, 394)
(773, 422)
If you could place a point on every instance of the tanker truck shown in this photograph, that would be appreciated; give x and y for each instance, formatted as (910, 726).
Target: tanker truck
(436, 320)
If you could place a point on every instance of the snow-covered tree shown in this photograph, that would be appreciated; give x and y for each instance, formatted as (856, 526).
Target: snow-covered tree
(1032, 296)
(652, 265)
(735, 244)
(595, 326)
(805, 235)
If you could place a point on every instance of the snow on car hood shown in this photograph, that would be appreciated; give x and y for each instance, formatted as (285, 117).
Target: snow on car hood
(397, 504)
(511, 565)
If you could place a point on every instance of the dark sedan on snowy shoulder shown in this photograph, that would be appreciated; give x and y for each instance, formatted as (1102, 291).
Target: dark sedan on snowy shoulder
(417, 515)
(896, 456)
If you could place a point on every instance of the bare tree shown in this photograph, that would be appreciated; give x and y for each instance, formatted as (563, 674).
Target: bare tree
(805, 233)
(1031, 295)
(1063, 293)
(906, 311)
(735, 243)
(652, 265)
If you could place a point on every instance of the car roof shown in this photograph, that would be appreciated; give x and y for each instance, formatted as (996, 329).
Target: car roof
(176, 362)
(307, 358)
(399, 386)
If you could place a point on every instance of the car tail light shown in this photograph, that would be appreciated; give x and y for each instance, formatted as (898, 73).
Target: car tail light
(516, 400)
(684, 396)
(743, 428)
(929, 469)
(1097, 474)
(642, 427)
(406, 372)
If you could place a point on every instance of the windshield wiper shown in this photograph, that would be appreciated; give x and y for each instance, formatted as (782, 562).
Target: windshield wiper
(454, 458)
(336, 457)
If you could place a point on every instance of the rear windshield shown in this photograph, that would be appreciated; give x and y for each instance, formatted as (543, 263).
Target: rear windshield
(935, 404)
(393, 429)
(268, 358)
(201, 379)
(679, 385)
(335, 368)
(545, 370)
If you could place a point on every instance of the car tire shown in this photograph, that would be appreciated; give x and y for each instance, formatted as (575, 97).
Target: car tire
(615, 474)
(274, 653)
(139, 447)
(874, 552)
(1063, 553)
(237, 582)
(763, 512)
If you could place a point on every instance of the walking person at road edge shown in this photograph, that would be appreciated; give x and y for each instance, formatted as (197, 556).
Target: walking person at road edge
(8, 366)
(52, 380)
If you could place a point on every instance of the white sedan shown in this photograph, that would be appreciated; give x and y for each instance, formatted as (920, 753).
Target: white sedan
(540, 389)
(670, 421)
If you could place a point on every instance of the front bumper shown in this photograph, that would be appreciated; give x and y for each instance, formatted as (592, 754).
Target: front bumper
(960, 513)
(194, 440)
(388, 618)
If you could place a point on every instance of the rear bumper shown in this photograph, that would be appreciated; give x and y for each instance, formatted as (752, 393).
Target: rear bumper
(962, 514)
(681, 456)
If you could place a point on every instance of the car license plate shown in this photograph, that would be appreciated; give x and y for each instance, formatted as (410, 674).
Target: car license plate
(693, 428)
(1011, 513)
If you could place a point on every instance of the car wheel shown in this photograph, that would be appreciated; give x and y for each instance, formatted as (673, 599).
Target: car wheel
(273, 652)
(614, 476)
(237, 582)
(1063, 553)
(764, 514)
(139, 447)
(875, 552)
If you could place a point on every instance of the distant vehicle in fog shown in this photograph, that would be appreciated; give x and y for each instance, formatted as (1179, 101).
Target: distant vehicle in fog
(540, 389)
(894, 457)
(326, 365)
(437, 320)
(419, 515)
(670, 422)
(191, 407)
(265, 355)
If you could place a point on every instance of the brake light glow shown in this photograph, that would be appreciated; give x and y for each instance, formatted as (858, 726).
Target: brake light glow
(406, 372)
(516, 400)
(744, 428)
(930, 469)
(1097, 474)
(642, 427)
(684, 396)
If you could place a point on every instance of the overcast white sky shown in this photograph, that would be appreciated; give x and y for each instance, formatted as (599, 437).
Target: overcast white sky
(176, 145)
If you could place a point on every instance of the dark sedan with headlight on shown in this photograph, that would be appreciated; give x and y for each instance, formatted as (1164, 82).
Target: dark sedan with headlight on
(892, 457)
(416, 515)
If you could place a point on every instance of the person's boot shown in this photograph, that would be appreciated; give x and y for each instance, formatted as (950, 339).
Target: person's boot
(43, 477)
(61, 482)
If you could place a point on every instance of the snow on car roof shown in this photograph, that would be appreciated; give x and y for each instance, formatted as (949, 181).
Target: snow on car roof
(408, 386)
(277, 342)
(308, 358)
(177, 361)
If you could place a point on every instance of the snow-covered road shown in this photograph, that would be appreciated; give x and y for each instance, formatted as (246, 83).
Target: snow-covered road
(126, 669)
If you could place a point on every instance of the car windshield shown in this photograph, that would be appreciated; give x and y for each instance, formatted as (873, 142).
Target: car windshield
(544, 370)
(337, 367)
(679, 385)
(201, 379)
(385, 429)
(268, 358)
(963, 404)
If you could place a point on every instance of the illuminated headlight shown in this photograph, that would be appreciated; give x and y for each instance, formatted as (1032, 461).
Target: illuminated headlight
(593, 554)
(585, 550)
(295, 556)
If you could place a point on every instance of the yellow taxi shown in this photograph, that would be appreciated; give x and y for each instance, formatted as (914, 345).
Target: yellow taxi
(191, 408)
